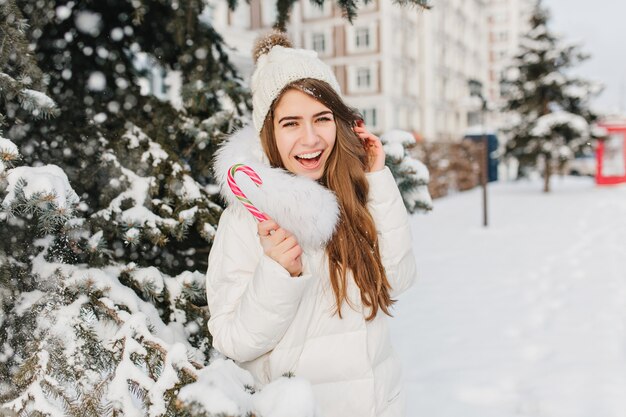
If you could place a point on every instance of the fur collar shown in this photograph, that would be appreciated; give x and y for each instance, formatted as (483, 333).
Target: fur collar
(298, 204)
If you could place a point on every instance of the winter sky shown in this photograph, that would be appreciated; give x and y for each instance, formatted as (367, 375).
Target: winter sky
(599, 25)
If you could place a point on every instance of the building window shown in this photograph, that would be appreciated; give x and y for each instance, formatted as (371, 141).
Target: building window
(319, 43)
(363, 78)
(362, 38)
(370, 117)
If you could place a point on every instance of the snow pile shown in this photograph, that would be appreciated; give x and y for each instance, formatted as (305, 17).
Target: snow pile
(286, 397)
(223, 388)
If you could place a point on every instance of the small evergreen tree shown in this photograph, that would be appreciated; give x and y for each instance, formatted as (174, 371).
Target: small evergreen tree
(549, 107)
(410, 174)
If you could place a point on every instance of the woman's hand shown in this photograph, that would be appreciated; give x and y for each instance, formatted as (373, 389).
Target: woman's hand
(281, 246)
(373, 147)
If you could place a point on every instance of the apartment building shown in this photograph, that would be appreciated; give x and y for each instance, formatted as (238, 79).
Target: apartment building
(456, 34)
(507, 22)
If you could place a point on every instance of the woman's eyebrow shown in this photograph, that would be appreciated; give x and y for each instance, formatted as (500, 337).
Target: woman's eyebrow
(289, 118)
(300, 117)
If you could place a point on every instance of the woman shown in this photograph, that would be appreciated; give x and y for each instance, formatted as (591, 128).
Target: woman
(309, 291)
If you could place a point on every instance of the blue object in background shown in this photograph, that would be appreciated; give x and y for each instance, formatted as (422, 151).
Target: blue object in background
(492, 141)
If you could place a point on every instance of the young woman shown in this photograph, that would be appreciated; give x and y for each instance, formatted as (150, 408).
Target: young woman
(309, 291)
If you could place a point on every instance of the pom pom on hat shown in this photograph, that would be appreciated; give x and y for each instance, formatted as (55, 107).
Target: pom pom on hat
(264, 44)
(278, 65)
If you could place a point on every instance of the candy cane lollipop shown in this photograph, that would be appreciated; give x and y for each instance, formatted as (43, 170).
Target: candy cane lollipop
(259, 215)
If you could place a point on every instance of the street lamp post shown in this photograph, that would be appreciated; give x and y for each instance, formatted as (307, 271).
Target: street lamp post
(475, 88)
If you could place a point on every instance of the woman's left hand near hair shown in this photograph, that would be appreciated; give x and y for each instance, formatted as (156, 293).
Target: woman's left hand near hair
(373, 147)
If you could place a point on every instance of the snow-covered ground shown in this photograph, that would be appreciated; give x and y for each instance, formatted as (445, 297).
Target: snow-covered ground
(524, 318)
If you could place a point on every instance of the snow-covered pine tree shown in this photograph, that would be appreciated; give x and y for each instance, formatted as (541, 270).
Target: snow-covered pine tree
(410, 174)
(101, 312)
(24, 204)
(548, 106)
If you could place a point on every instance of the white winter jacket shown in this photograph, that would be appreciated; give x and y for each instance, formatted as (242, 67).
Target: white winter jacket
(271, 323)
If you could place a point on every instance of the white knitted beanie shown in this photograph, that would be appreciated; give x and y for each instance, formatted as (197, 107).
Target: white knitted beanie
(278, 64)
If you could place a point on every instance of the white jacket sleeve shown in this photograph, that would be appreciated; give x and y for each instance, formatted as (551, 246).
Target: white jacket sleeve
(394, 233)
(252, 299)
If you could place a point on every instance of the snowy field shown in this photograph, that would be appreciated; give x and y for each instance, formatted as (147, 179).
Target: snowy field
(524, 318)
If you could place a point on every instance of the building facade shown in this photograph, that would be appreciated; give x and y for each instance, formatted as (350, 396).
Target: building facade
(455, 37)
(507, 22)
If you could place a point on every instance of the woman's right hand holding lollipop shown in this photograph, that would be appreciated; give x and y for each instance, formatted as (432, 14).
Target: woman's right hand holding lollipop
(281, 245)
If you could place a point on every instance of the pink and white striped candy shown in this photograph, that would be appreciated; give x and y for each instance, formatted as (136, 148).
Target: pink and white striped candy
(259, 215)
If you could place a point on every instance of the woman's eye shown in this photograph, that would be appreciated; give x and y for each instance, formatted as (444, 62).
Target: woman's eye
(324, 119)
(289, 124)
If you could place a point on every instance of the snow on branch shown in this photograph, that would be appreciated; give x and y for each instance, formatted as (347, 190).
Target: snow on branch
(37, 103)
(44, 191)
(555, 78)
(546, 124)
(8, 154)
(138, 192)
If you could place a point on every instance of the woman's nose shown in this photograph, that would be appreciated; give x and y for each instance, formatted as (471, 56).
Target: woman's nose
(310, 136)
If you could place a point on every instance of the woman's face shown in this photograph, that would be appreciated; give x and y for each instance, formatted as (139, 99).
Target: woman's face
(305, 133)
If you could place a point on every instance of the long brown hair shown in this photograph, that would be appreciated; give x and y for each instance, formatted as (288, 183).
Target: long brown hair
(354, 245)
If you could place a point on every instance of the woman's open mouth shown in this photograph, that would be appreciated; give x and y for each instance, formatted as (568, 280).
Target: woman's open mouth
(309, 160)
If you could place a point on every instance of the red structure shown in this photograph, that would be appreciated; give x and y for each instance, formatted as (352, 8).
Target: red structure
(611, 154)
